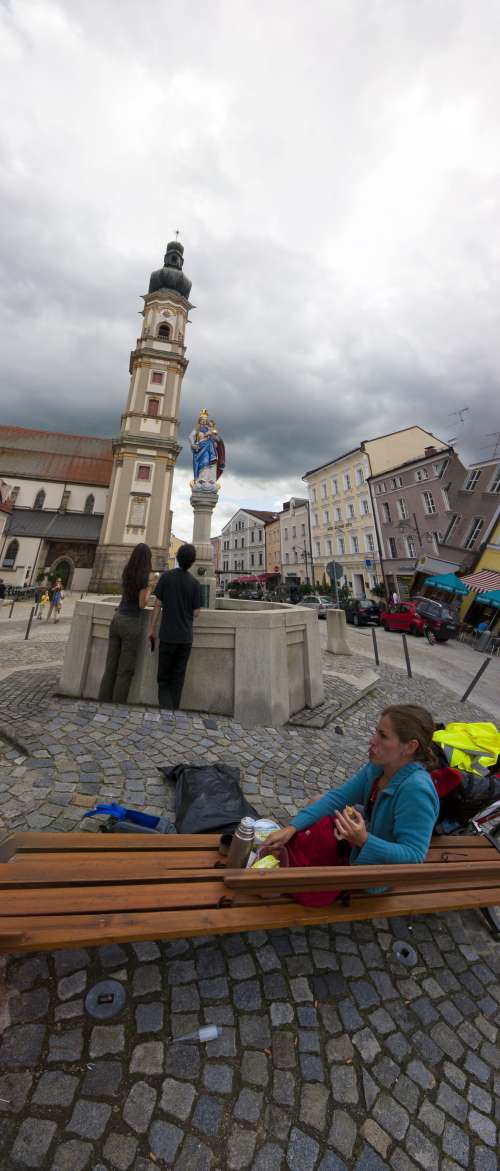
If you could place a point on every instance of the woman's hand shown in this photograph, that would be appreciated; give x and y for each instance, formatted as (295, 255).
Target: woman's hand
(279, 837)
(351, 828)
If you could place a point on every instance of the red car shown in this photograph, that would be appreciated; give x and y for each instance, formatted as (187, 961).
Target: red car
(403, 617)
(420, 615)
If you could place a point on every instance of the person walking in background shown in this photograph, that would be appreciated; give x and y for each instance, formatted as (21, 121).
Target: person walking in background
(125, 629)
(178, 600)
(43, 604)
(57, 601)
(54, 589)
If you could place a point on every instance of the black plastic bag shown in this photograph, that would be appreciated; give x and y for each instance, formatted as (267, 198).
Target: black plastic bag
(472, 795)
(208, 798)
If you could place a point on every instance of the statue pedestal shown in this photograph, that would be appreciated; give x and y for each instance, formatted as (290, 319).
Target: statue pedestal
(203, 502)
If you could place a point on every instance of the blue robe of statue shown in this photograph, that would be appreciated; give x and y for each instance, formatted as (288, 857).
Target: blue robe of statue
(204, 451)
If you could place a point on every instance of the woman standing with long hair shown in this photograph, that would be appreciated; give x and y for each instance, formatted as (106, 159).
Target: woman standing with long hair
(125, 629)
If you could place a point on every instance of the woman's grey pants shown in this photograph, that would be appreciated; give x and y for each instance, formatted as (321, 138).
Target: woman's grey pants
(124, 638)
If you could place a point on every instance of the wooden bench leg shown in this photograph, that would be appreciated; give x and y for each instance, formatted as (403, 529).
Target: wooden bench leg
(492, 917)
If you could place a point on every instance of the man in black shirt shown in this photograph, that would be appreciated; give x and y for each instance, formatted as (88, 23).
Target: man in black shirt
(178, 599)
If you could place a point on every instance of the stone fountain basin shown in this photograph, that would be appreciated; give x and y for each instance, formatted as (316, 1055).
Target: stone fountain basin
(258, 662)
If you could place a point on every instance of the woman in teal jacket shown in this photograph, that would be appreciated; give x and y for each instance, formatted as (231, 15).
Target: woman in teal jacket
(399, 802)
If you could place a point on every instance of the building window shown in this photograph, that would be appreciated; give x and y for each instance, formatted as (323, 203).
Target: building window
(441, 467)
(260, 559)
(89, 505)
(475, 530)
(286, 534)
(323, 490)
(157, 377)
(260, 533)
(294, 531)
(472, 480)
(421, 474)
(328, 547)
(10, 555)
(402, 509)
(446, 500)
(365, 507)
(335, 487)
(143, 472)
(252, 536)
(378, 489)
(313, 495)
(495, 483)
(338, 515)
(386, 513)
(242, 542)
(455, 520)
(39, 499)
(347, 481)
(369, 542)
(315, 520)
(318, 548)
(164, 331)
(350, 511)
(354, 544)
(429, 506)
(360, 476)
(252, 559)
(153, 407)
(138, 510)
(341, 545)
(410, 547)
(236, 542)
(326, 517)
(393, 548)
(287, 558)
(303, 530)
(395, 482)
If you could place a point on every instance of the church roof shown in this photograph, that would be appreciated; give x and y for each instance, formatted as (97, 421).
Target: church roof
(51, 455)
(171, 275)
(56, 526)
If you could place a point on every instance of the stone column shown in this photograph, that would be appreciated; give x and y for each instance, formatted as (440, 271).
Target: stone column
(203, 502)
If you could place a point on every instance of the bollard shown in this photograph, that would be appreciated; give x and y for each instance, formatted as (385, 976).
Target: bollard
(407, 656)
(375, 647)
(30, 620)
(11, 608)
(475, 680)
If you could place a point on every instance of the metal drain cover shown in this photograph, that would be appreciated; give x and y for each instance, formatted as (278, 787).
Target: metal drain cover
(403, 952)
(105, 999)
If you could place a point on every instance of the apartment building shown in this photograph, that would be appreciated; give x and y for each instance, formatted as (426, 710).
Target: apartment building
(474, 494)
(273, 546)
(296, 557)
(342, 522)
(243, 546)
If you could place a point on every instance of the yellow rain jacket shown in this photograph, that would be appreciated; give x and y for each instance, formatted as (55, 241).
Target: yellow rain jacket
(472, 748)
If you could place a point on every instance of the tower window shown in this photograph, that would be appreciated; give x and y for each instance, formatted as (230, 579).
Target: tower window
(39, 499)
(143, 472)
(89, 505)
(157, 376)
(164, 331)
(10, 555)
(153, 407)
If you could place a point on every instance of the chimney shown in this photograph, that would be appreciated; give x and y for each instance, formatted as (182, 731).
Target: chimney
(430, 450)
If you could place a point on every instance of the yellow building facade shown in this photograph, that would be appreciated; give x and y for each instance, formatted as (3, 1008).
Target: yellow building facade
(273, 546)
(343, 526)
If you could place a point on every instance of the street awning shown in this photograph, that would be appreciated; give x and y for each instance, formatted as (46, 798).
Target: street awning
(485, 580)
(490, 598)
(448, 582)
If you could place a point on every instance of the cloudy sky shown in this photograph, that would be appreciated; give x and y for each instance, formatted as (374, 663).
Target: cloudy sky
(333, 168)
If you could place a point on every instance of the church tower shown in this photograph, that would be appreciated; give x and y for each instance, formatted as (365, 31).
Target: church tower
(146, 450)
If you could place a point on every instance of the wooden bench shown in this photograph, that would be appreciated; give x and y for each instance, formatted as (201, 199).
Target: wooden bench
(84, 889)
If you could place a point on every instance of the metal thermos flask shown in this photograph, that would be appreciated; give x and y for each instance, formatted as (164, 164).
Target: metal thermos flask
(241, 845)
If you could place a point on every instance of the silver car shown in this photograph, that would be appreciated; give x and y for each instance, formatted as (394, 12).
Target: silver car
(320, 602)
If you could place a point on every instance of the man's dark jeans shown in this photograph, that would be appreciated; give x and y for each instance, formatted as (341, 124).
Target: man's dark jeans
(172, 662)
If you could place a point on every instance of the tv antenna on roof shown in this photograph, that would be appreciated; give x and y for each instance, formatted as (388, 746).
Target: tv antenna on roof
(459, 414)
(453, 439)
(496, 446)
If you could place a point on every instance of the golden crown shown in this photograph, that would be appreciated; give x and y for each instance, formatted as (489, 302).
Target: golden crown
(203, 414)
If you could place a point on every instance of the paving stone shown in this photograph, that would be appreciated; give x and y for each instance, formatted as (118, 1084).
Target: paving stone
(185, 998)
(370, 1161)
(72, 1156)
(283, 1087)
(28, 972)
(309, 1041)
(247, 995)
(386, 1071)
(89, 1119)
(382, 1022)
(147, 978)
(456, 1143)
(33, 1141)
(331, 1162)
(283, 1050)
(340, 1049)
(218, 1078)
(281, 1013)
(242, 967)
(454, 1075)
(477, 1068)
(480, 1098)
(67, 961)
(67, 1046)
(146, 950)
(367, 1044)
(182, 1061)
(313, 1105)
(376, 1137)
(177, 1098)
(269, 1158)
(303, 1151)
(208, 1115)
(406, 1093)
(102, 1080)
(421, 1149)
(301, 990)
(398, 1046)
(391, 1116)
(311, 1067)
(485, 1160)
(277, 1121)
(351, 1018)
(29, 1006)
(370, 1089)
(254, 1068)
(240, 1149)
(14, 1090)
(255, 1032)
(248, 1107)
(432, 1118)
(147, 1058)
(139, 1106)
(55, 1089)
(483, 1127)
(120, 1149)
(149, 1017)
(22, 1045)
(344, 1084)
(72, 985)
(165, 1140)
(401, 1162)
(104, 1039)
(451, 1102)
(194, 1156)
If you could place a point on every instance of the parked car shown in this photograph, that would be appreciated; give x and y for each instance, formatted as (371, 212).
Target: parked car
(319, 602)
(362, 612)
(419, 614)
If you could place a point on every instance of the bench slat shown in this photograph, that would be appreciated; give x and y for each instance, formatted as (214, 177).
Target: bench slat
(360, 877)
(91, 930)
(97, 842)
(115, 867)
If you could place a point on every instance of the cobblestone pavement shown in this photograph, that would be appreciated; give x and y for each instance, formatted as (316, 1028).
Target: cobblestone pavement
(333, 1056)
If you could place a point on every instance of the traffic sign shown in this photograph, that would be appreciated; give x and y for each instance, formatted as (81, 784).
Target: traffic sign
(334, 570)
